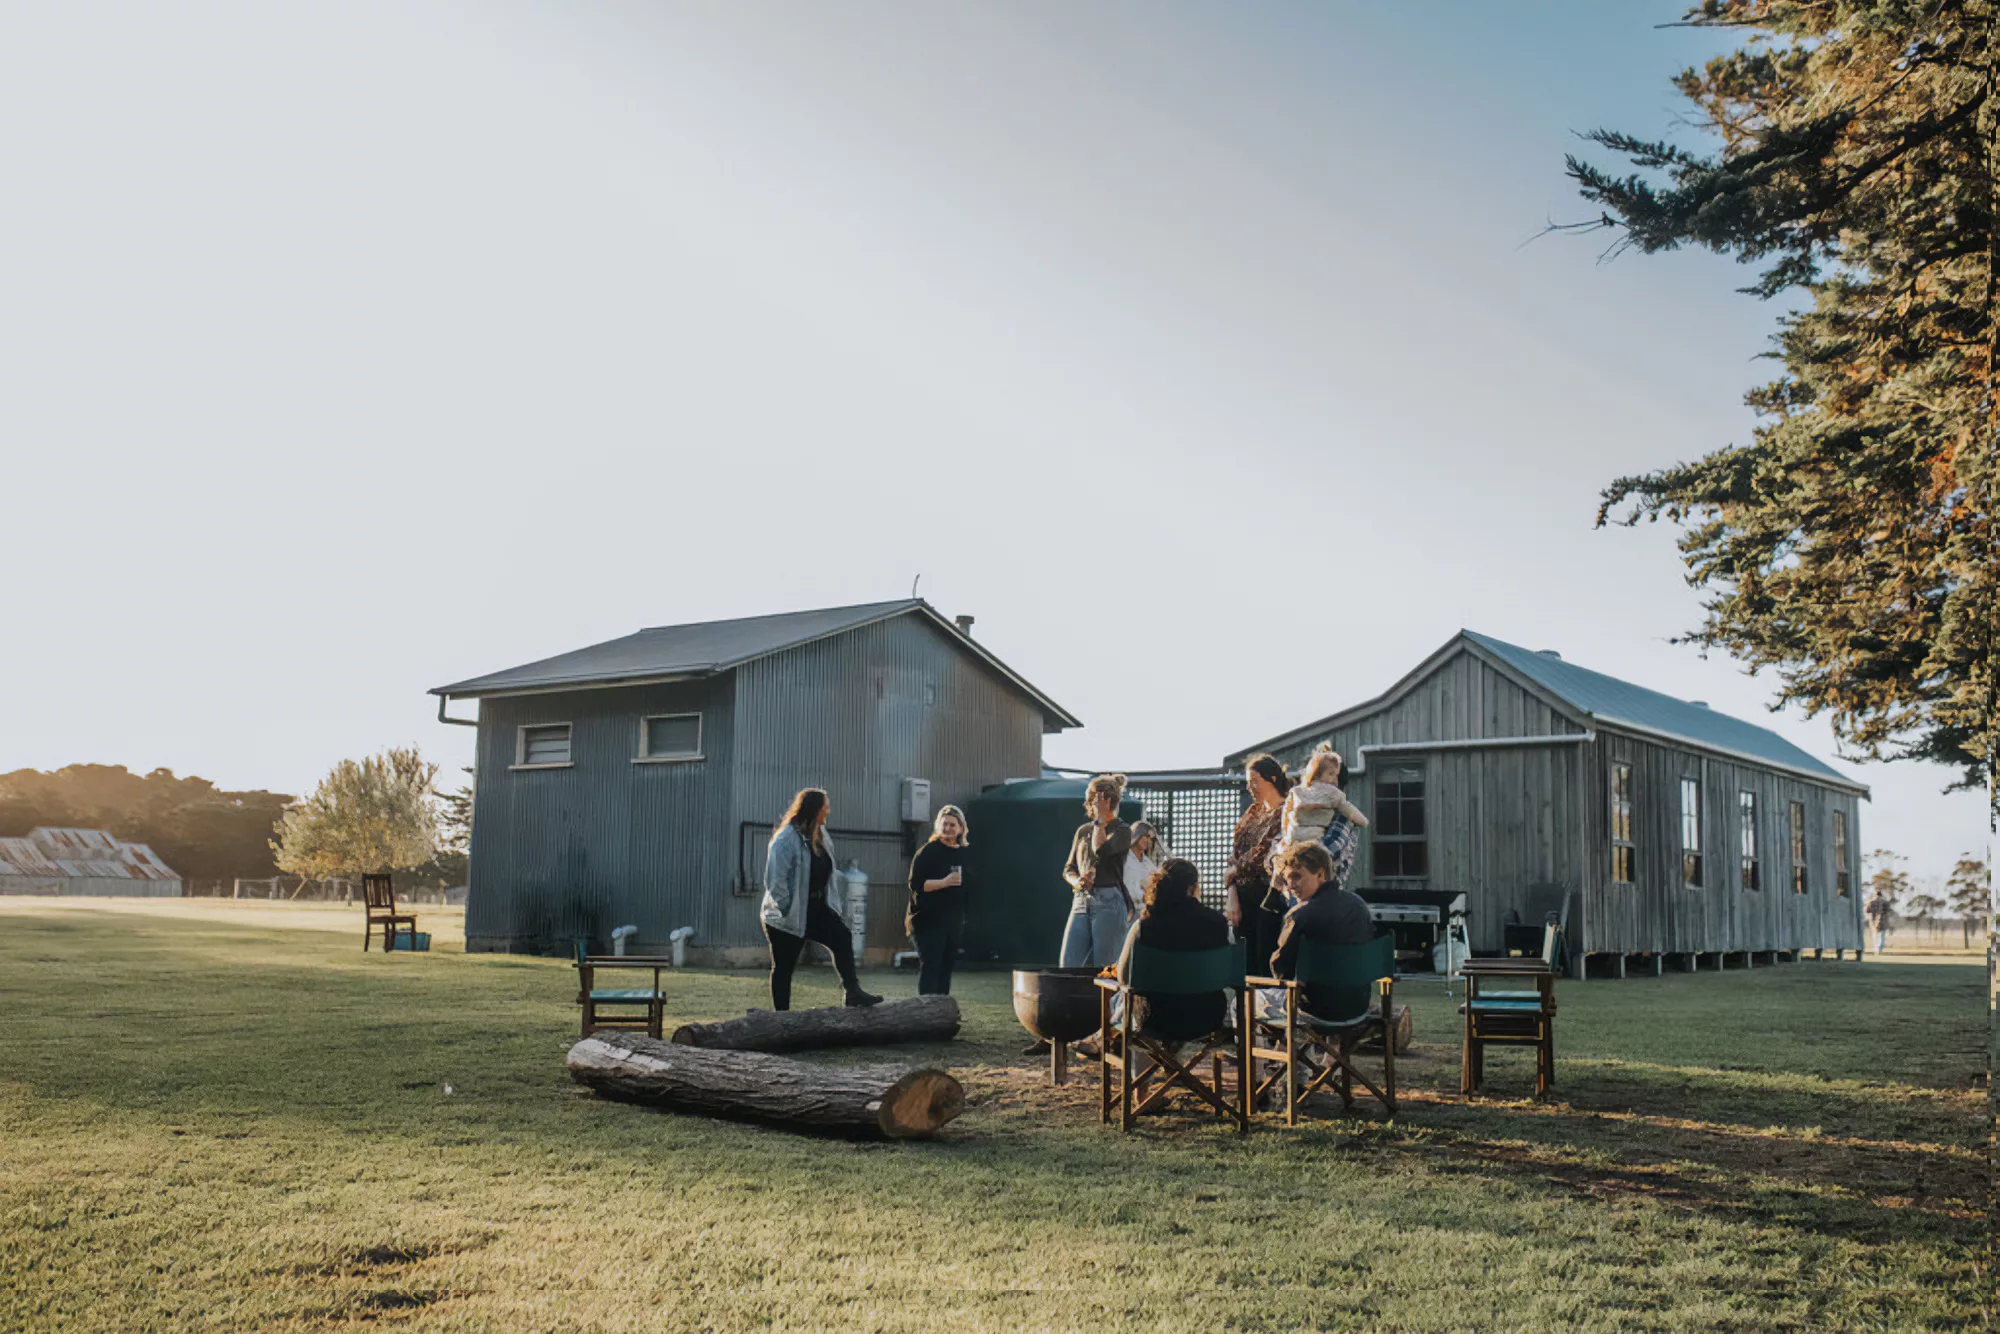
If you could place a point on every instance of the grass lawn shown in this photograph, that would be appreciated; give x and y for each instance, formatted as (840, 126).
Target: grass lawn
(223, 1121)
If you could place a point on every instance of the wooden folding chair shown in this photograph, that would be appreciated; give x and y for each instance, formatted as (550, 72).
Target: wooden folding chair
(378, 895)
(1499, 1010)
(619, 1007)
(1150, 1067)
(1319, 1050)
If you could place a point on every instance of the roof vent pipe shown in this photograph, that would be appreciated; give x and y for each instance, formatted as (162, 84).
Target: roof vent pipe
(1699, 703)
(964, 624)
(1549, 653)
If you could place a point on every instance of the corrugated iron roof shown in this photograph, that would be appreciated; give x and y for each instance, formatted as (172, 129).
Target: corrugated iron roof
(1612, 701)
(699, 649)
(50, 853)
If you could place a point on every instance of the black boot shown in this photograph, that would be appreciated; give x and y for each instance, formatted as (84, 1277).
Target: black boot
(858, 997)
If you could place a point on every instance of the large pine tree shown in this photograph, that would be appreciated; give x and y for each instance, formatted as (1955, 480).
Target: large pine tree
(1850, 545)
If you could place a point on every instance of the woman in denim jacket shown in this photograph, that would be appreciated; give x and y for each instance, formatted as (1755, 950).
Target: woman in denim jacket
(802, 900)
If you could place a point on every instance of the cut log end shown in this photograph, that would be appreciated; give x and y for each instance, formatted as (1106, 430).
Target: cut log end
(920, 1103)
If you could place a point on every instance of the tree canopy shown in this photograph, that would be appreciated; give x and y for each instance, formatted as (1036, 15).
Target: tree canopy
(1850, 544)
(198, 829)
(374, 814)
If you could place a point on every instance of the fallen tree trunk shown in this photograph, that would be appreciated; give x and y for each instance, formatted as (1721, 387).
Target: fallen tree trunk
(895, 1102)
(1404, 1028)
(923, 1019)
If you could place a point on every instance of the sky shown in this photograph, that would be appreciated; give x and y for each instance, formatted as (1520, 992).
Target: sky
(1208, 355)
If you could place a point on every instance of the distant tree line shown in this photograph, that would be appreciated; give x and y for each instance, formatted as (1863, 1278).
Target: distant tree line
(381, 813)
(200, 830)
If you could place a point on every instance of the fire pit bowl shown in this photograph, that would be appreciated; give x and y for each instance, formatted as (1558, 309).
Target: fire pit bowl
(1058, 1005)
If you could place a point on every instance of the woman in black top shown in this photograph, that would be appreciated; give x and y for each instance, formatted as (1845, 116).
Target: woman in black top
(1175, 919)
(936, 919)
(1255, 908)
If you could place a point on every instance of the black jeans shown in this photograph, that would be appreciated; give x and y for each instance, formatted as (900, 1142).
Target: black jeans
(823, 927)
(938, 934)
(1260, 927)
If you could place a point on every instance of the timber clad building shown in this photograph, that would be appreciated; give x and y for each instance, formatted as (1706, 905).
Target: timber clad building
(1659, 826)
(637, 781)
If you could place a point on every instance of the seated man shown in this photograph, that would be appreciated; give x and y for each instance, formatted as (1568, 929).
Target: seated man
(1327, 916)
(1175, 919)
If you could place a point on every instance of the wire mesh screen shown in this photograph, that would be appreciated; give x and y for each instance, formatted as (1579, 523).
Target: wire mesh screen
(1198, 821)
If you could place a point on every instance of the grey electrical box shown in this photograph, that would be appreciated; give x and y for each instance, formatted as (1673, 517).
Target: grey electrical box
(917, 800)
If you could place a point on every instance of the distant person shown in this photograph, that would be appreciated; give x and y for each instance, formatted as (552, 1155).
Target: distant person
(1325, 915)
(1148, 852)
(1879, 911)
(1099, 908)
(936, 919)
(802, 901)
(1317, 811)
(1175, 918)
(1254, 908)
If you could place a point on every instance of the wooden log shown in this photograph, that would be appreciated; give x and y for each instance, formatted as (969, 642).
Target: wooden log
(1404, 1027)
(895, 1102)
(921, 1019)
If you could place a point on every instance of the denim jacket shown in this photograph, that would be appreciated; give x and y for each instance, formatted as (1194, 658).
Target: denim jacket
(788, 880)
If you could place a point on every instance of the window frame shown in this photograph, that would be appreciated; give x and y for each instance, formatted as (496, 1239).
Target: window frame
(645, 755)
(1843, 881)
(1750, 870)
(1796, 818)
(1624, 852)
(1691, 857)
(1377, 839)
(521, 746)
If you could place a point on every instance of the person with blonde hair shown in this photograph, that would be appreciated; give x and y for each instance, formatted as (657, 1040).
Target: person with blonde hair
(1317, 811)
(1095, 872)
(936, 917)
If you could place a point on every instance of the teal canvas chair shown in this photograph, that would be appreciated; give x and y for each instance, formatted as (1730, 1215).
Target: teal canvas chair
(1310, 1052)
(1149, 1067)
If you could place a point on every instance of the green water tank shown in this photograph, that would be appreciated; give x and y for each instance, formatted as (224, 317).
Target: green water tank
(1017, 903)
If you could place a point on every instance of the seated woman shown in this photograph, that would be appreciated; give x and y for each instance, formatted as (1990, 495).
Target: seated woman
(1175, 919)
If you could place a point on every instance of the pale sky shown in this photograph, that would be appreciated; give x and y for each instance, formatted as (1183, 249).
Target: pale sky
(1194, 349)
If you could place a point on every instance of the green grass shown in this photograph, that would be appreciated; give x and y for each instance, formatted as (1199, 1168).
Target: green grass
(220, 1125)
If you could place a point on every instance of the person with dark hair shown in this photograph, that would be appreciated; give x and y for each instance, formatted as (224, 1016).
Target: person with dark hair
(802, 900)
(1254, 907)
(1175, 918)
(936, 918)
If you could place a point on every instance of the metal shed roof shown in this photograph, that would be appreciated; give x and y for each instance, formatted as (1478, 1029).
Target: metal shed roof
(1597, 698)
(1612, 701)
(675, 652)
(51, 852)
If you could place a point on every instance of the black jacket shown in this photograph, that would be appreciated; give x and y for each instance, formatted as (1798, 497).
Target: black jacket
(1180, 924)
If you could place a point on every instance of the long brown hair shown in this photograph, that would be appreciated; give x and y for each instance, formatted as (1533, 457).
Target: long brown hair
(1267, 768)
(803, 814)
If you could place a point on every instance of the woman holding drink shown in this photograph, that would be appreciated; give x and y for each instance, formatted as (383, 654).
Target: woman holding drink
(936, 919)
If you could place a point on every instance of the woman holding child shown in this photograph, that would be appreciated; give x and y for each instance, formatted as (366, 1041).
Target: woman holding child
(1253, 907)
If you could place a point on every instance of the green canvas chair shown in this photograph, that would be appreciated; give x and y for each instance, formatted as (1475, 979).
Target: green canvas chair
(1148, 1067)
(619, 1007)
(1310, 1052)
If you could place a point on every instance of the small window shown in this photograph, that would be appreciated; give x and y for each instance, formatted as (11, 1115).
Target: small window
(542, 745)
(1746, 816)
(1840, 881)
(1622, 853)
(1798, 848)
(1691, 832)
(1401, 849)
(670, 736)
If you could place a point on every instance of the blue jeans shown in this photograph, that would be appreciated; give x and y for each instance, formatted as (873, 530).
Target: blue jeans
(1096, 930)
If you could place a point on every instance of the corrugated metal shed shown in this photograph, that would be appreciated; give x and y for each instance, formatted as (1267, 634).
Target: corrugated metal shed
(83, 862)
